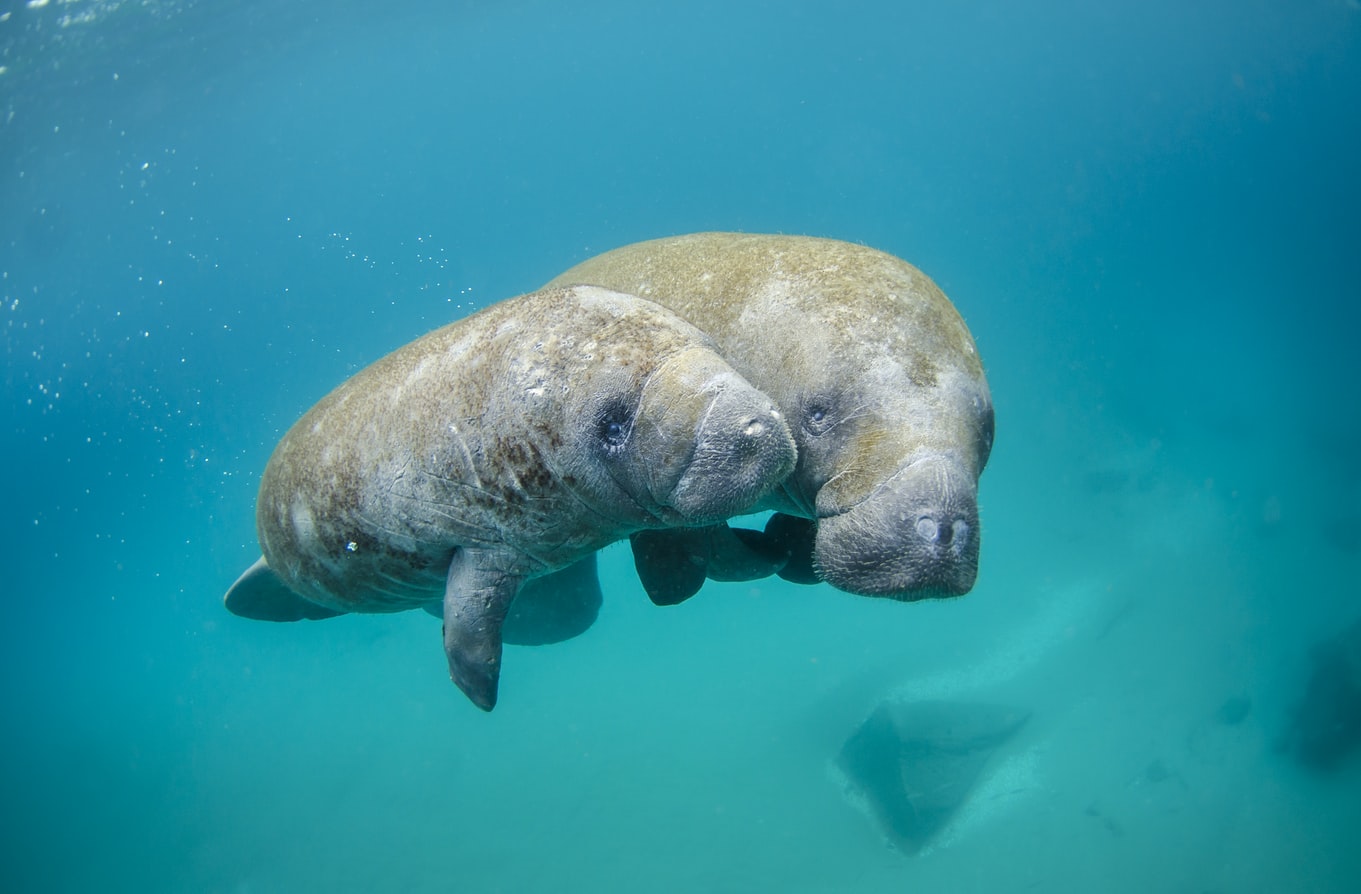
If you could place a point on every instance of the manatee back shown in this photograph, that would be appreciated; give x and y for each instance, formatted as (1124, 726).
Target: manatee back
(795, 314)
(726, 282)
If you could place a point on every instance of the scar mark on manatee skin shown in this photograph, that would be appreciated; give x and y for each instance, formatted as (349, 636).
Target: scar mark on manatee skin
(407, 586)
(465, 452)
(848, 472)
(859, 411)
(540, 557)
(594, 510)
(477, 492)
(372, 527)
(403, 592)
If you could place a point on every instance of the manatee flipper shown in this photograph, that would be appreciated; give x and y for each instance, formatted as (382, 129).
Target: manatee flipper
(669, 566)
(550, 609)
(555, 607)
(261, 595)
(742, 554)
(477, 596)
(673, 564)
(795, 538)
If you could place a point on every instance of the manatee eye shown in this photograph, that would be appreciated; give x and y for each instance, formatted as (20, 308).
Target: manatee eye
(986, 434)
(816, 418)
(612, 427)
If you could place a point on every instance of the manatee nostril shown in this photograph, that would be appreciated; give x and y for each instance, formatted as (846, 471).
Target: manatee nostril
(755, 428)
(960, 533)
(955, 535)
(927, 529)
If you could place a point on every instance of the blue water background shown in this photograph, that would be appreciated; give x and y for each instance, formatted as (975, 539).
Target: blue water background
(211, 213)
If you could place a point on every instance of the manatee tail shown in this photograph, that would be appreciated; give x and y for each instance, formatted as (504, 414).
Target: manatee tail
(261, 595)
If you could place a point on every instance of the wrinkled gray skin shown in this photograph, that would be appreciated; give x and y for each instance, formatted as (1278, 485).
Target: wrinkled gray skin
(507, 446)
(877, 376)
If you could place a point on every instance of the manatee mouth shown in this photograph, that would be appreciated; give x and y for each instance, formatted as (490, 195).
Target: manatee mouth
(915, 537)
(742, 452)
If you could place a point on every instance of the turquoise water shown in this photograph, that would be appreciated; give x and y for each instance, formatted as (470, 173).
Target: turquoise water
(1146, 212)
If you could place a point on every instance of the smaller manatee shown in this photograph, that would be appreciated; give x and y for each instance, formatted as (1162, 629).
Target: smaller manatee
(500, 451)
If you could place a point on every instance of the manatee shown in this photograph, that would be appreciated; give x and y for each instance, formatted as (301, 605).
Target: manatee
(879, 380)
(915, 763)
(498, 450)
(1324, 726)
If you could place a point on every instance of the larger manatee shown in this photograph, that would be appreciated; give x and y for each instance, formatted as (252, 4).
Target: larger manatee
(499, 449)
(879, 379)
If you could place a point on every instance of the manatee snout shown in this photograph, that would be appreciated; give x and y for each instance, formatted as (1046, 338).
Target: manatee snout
(915, 537)
(742, 450)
